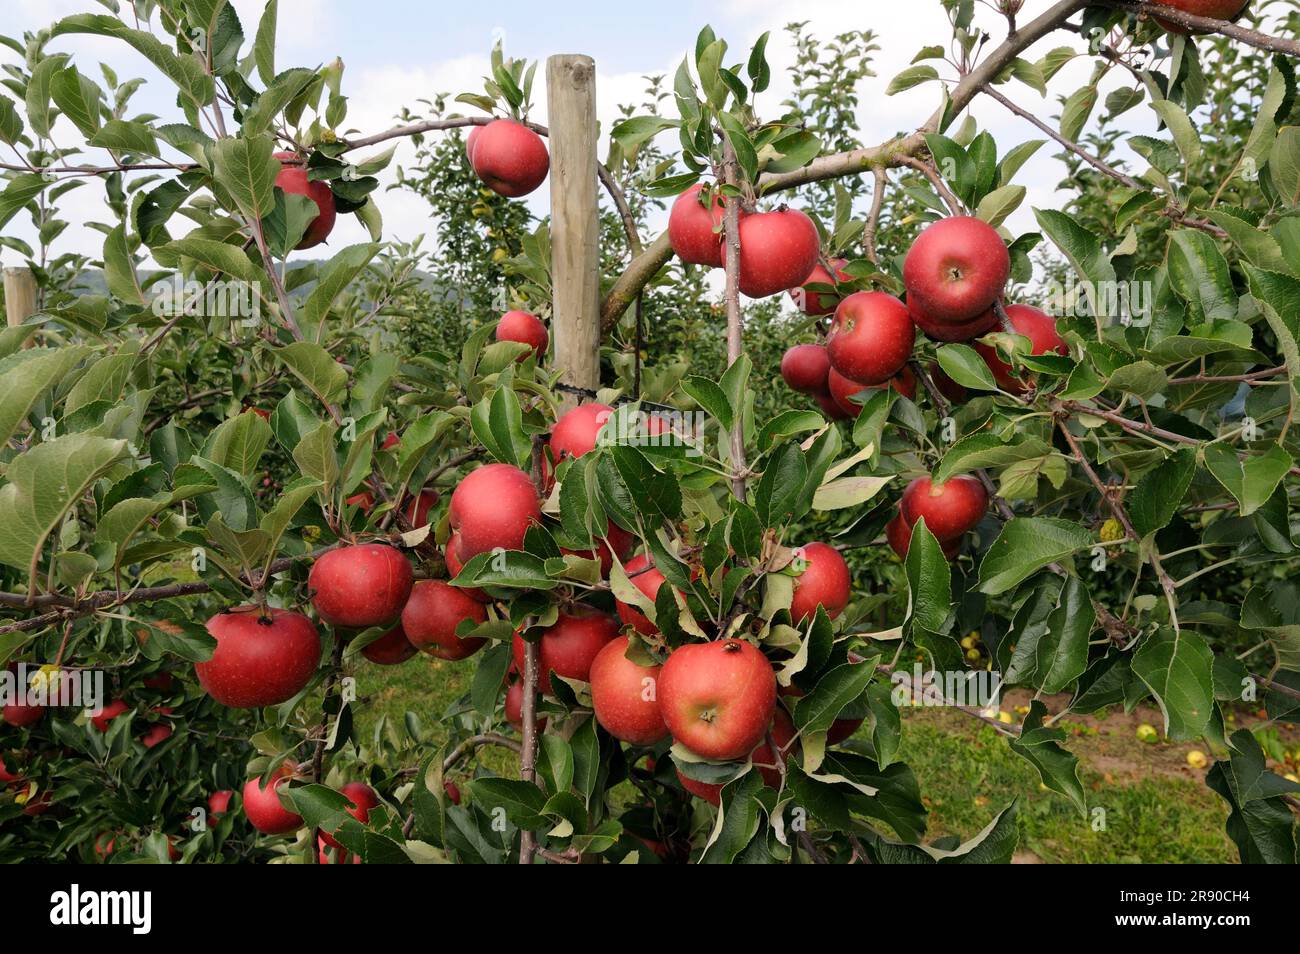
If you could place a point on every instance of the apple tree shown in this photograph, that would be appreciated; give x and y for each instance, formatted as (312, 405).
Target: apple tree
(689, 604)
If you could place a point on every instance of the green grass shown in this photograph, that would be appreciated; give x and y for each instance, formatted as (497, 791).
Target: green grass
(967, 774)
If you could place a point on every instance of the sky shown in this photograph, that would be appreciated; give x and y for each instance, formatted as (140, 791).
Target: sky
(399, 51)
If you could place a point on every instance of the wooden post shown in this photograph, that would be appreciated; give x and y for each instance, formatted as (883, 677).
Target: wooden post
(575, 231)
(20, 295)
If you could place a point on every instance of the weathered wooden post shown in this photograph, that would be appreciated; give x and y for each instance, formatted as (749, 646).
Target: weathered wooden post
(575, 231)
(20, 295)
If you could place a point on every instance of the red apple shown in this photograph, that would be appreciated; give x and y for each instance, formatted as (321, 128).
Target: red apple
(20, 714)
(824, 581)
(804, 368)
(956, 270)
(432, 614)
(363, 799)
(843, 390)
(390, 649)
(960, 331)
(718, 697)
(871, 337)
(615, 536)
(946, 386)
(470, 141)
(641, 571)
(576, 432)
(340, 856)
(820, 303)
(1040, 328)
(101, 719)
(39, 804)
(526, 329)
(157, 733)
(898, 533)
(453, 792)
(510, 158)
(263, 807)
(219, 803)
(260, 660)
(455, 565)
(695, 232)
(360, 586)
(777, 251)
(831, 408)
(1215, 9)
(515, 707)
(949, 509)
(625, 696)
(293, 180)
(6, 776)
(492, 507)
(783, 734)
(105, 841)
(568, 647)
(162, 681)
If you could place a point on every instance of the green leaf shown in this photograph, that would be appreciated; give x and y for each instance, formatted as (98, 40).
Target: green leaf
(1025, 546)
(1050, 634)
(316, 368)
(1082, 248)
(1178, 669)
(912, 76)
(28, 377)
(123, 136)
(246, 169)
(929, 580)
(1000, 203)
(221, 257)
(264, 42)
(1261, 823)
(277, 95)
(846, 492)
(20, 190)
(104, 380)
(738, 820)
(79, 97)
(839, 687)
(184, 72)
(44, 483)
(982, 449)
(1077, 108)
(1278, 296)
(497, 421)
(1198, 272)
(1041, 746)
(1272, 609)
(11, 123)
(1284, 165)
(781, 485)
(317, 456)
(335, 276)
(1180, 126)
(1252, 481)
(119, 269)
(963, 364)
(1159, 493)
(238, 442)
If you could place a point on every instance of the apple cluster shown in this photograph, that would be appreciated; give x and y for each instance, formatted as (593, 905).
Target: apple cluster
(955, 274)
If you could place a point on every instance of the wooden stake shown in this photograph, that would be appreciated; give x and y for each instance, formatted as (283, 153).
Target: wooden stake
(20, 295)
(575, 230)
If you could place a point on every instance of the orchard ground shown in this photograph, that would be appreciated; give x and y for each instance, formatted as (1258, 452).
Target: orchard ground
(1158, 809)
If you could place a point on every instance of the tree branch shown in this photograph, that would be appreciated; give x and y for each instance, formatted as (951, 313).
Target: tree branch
(1261, 41)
